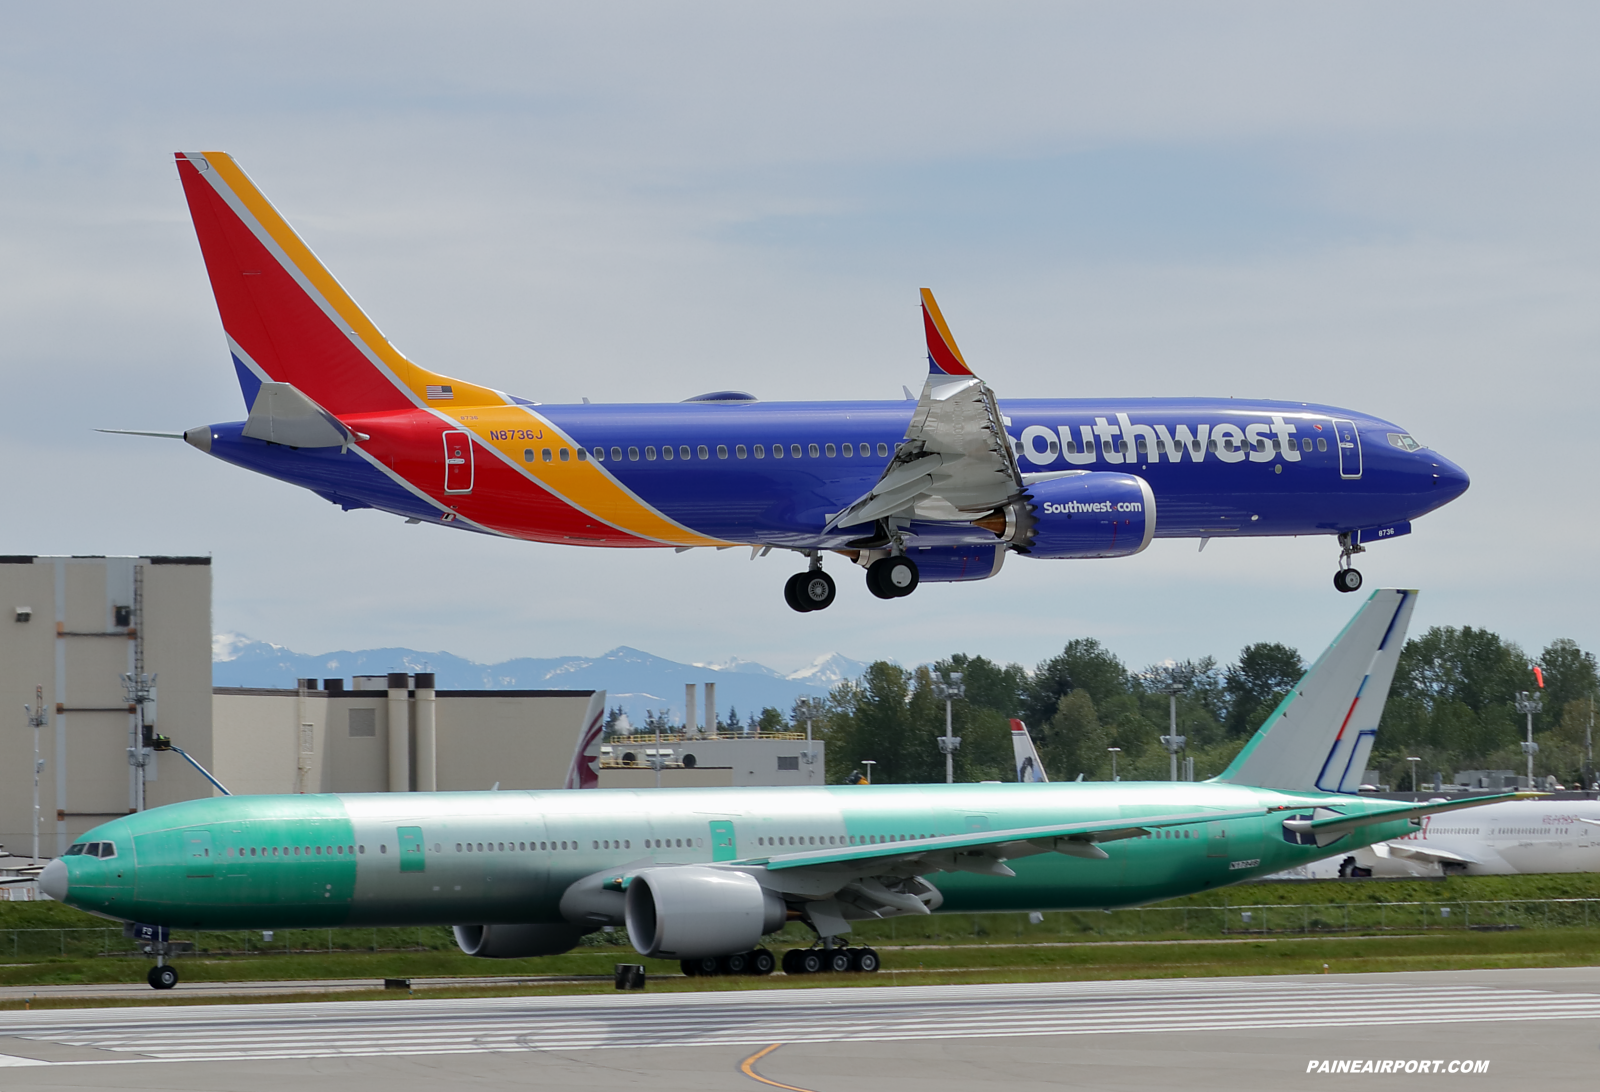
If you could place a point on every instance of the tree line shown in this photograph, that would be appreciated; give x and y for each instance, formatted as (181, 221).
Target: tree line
(1452, 705)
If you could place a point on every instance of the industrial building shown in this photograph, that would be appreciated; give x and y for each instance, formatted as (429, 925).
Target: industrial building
(79, 634)
(100, 639)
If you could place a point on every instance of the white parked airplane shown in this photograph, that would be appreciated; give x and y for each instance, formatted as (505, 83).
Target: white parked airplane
(1517, 836)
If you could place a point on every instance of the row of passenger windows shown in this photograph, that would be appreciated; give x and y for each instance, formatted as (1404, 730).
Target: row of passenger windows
(598, 843)
(1142, 444)
(840, 839)
(703, 451)
(300, 851)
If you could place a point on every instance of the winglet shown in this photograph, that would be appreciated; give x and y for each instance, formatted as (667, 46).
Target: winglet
(943, 354)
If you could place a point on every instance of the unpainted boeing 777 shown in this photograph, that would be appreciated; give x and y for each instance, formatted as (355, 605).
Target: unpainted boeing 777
(701, 875)
(940, 488)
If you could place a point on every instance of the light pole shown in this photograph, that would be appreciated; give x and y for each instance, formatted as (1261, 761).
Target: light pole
(1413, 759)
(869, 763)
(808, 710)
(1172, 688)
(37, 719)
(949, 687)
(1115, 751)
(1529, 704)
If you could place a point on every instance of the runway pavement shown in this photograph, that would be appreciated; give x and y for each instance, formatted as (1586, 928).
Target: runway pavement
(1228, 1033)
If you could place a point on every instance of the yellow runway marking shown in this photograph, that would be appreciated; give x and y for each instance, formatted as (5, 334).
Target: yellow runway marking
(748, 1068)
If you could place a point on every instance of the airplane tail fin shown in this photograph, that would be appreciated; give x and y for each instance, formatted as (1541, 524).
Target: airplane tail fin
(1320, 736)
(1029, 768)
(943, 354)
(287, 319)
(584, 773)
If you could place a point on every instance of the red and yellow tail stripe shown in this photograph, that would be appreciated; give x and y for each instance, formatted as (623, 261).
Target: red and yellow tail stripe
(290, 321)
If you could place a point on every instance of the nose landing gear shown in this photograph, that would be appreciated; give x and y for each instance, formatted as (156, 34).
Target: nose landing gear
(1348, 578)
(162, 977)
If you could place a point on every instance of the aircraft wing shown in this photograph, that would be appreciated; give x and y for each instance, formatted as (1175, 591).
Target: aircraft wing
(1429, 854)
(956, 462)
(1328, 825)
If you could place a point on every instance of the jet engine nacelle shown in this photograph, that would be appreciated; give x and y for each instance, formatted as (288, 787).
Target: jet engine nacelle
(1093, 514)
(518, 941)
(689, 911)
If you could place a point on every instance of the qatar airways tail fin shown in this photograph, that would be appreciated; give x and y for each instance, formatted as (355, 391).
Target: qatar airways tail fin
(1029, 768)
(584, 773)
(287, 319)
(1320, 736)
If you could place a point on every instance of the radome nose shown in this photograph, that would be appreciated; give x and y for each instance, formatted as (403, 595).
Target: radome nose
(53, 880)
(1449, 480)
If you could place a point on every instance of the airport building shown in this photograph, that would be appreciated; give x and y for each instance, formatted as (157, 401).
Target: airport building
(83, 631)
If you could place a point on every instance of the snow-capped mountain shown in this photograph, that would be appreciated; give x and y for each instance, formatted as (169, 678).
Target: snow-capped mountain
(637, 681)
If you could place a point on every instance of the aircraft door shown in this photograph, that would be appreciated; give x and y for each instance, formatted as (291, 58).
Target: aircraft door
(1349, 448)
(197, 859)
(723, 846)
(413, 857)
(457, 461)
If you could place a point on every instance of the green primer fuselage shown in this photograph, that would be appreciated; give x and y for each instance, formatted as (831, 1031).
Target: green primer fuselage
(415, 858)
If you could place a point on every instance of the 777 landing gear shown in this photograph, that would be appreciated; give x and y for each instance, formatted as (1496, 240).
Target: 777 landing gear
(810, 590)
(1348, 579)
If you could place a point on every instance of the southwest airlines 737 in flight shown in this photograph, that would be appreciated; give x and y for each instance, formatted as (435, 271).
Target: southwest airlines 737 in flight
(701, 875)
(939, 489)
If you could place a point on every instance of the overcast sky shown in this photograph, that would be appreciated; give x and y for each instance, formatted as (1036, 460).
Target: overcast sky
(1386, 207)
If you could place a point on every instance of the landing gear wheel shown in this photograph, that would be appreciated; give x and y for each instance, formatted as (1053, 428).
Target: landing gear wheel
(762, 962)
(791, 592)
(802, 961)
(737, 963)
(813, 590)
(892, 577)
(864, 960)
(162, 978)
(1347, 580)
(703, 967)
(837, 961)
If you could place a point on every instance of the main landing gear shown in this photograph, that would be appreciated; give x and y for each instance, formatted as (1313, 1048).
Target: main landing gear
(830, 961)
(889, 577)
(757, 962)
(892, 577)
(1347, 578)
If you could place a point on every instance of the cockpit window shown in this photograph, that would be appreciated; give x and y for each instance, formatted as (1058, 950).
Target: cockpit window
(1403, 442)
(104, 849)
(73, 851)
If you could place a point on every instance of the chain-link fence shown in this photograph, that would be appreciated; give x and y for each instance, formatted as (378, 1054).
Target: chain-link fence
(1151, 922)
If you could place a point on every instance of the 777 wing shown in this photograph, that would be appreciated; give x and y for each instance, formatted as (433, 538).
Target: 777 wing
(955, 462)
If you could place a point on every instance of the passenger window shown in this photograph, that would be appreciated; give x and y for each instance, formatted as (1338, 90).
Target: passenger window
(740, 451)
(565, 455)
(883, 449)
(832, 451)
(1322, 443)
(812, 448)
(703, 451)
(616, 454)
(527, 455)
(849, 450)
(761, 452)
(683, 451)
(650, 454)
(1055, 448)
(599, 454)
(666, 452)
(633, 454)
(777, 451)
(794, 449)
(546, 454)
(1305, 444)
(722, 451)
(583, 456)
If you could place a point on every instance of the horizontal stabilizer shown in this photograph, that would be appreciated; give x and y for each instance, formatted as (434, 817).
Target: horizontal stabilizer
(282, 415)
(1321, 734)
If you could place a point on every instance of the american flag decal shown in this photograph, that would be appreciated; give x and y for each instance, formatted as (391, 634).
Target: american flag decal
(438, 392)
